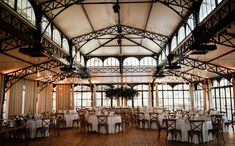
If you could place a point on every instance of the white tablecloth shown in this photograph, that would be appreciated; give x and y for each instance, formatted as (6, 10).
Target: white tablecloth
(112, 120)
(185, 126)
(33, 124)
(69, 119)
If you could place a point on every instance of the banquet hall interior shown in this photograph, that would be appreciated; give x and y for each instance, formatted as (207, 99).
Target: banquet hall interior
(117, 72)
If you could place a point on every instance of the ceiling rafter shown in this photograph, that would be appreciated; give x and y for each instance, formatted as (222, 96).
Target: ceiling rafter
(220, 70)
(155, 53)
(127, 29)
(89, 20)
(53, 5)
(147, 20)
(101, 45)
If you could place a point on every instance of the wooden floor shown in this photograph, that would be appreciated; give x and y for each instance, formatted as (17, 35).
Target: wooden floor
(134, 137)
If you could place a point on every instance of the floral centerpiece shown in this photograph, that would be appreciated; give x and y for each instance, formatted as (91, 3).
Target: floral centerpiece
(127, 93)
(18, 120)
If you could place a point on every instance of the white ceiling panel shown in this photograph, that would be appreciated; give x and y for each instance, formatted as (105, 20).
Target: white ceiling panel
(73, 21)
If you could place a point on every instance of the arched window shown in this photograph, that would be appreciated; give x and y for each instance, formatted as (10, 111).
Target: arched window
(190, 25)
(173, 43)
(101, 99)
(181, 34)
(94, 62)
(65, 45)
(82, 96)
(44, 25)
(148, 61)
(224, 82)
(10, 2)
(57, 37)
(25, 9)
(181, 97)
(111, 62)
(206, 7)
(143, 97)
(131, 61)
(165, 96)
(222, 96)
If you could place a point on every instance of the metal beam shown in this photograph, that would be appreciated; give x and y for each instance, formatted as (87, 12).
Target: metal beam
(53, 5)
(155, 53)
(220, 70)
(101, 45)
(11, 44)
(224, 39)
(114, 29)
(15, 76)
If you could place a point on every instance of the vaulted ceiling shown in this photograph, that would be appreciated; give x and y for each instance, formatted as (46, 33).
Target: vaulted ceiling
(138, 28)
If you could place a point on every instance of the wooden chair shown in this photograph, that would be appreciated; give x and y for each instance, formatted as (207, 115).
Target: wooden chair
(171, 128)
(196, 128)
(84, 124)
(141, 120)
(103, 122)
(76, 121)
(217, 127)
(231, 122)
(153, 118)
(44, 127)
(124, 124)
(54, 127)
(161, 127)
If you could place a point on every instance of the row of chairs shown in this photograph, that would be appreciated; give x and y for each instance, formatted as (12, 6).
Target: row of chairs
(196, 128)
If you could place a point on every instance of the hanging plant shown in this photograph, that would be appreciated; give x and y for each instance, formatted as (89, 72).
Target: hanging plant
(127, 93)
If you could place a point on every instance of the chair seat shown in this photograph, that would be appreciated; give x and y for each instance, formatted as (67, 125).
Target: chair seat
(194, 132)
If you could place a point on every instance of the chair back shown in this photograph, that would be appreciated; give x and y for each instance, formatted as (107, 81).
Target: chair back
(46, 122)
(102, 119)
(171, 123)
(217, 122)
(153, 116)
(196, 125)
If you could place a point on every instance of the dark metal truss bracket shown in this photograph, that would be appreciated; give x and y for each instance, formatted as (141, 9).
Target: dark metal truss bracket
(127, 29)
(187, 76)
(206, 66)
(15, 76)
(11, 44)
(53, 5)
(224, 39)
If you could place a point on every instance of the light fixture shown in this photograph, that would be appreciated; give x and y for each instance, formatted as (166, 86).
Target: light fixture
(116, 7)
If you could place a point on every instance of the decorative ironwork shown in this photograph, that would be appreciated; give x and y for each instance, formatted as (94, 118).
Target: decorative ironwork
(214, 23)
(127, 29)
(13, 24)
(53, 5)
(139, 69)
(187, 76)
(206, 66)
(15, 76)
(225, 39)
(10, 44)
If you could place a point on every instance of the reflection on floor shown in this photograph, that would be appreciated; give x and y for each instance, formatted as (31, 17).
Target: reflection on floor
(133, 137)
